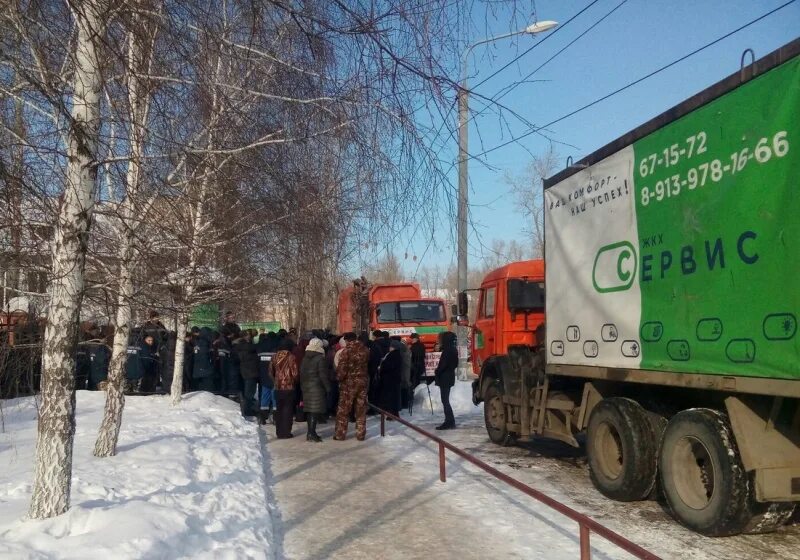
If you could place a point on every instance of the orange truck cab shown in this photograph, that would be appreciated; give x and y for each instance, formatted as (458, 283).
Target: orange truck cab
(510, 311)
(398, 309)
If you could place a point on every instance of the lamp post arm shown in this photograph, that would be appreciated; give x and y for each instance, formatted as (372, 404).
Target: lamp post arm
(476, 44)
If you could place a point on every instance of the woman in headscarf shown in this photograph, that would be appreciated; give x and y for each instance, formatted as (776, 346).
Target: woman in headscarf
(283, 370)
(315, 384)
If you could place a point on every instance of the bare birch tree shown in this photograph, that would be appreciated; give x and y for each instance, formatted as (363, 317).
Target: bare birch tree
(56, 428)
(132, 211)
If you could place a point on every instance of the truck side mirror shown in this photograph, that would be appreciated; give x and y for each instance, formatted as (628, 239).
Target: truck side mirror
(463, 304)
(454, 311)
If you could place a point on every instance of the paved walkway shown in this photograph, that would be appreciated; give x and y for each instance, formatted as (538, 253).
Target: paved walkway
(382, 499)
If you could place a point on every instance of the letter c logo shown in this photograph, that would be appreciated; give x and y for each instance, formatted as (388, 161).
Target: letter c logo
(624, 255)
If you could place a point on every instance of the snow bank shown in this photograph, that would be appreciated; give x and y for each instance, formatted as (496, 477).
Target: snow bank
(460, 398)
(187, 482)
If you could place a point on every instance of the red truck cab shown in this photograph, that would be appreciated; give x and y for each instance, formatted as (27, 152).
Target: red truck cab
(510, 310)
(398, 309)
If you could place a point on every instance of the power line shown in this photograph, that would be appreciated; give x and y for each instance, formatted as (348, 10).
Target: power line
(633, 83)
(536, 44)
(549, 60)
(494, 101)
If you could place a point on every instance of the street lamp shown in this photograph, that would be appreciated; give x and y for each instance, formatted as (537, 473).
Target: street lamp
(463, 112)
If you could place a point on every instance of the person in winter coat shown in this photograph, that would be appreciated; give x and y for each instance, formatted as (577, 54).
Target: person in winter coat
(230, 328)
(167, 355)
(315, 384)
(377, 350)
(82, 364)
(417, 360)
(390, 379)
(155, 328)
(446, 376)
(202, 363)
(351, 371)
(247, 356)
(133, 365)
(99, 358)
(283, 370)
(266, 348)
(188, 360)
(330, 359)
(148, 357)
(405, 373)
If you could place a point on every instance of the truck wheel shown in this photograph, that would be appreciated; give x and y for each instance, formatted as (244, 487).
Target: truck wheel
(494, 416)
(702, 476)
(659, 424)
(621, 449)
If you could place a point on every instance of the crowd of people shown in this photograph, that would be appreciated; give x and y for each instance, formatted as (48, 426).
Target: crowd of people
(279, 377)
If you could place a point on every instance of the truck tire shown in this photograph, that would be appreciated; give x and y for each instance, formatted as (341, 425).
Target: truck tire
(659, 423)
(622, 450)
(702, 476)
(494, 415)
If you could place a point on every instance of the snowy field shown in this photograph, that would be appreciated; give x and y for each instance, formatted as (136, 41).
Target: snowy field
(187, 482)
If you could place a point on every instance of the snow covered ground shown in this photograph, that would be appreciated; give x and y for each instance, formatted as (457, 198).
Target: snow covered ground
(561, 472)
(187, 482)
(382, 498)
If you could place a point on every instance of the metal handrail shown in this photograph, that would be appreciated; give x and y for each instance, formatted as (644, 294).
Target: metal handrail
(585, 523)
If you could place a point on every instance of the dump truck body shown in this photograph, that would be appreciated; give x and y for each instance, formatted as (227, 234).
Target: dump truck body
(671, 309)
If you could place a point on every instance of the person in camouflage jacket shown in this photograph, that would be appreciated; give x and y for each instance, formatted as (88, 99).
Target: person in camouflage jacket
(353, 378)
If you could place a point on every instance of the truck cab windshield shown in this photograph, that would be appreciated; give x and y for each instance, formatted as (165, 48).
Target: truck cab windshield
(410, 311)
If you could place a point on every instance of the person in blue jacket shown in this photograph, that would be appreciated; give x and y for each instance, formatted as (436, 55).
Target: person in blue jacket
(266, 348)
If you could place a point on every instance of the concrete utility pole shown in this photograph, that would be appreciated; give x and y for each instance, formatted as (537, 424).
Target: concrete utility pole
(463, 172)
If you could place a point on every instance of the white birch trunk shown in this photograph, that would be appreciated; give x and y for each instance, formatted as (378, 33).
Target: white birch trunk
(108, 435)
(198, 223)
(56, 428)
(139, 103)
(180, 356)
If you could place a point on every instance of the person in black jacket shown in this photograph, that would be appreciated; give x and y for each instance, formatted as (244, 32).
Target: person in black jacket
(82, 363)
(446, 376)
(99, 358)
(267, 347)
(230, 328)
(155, 328)
(202, 363)
(167, 355)
(377, 350)
(229, 387)
(133, 365)
(148, 356)
(390, 379)
(188, 358)
(417, 361)
(247, 357)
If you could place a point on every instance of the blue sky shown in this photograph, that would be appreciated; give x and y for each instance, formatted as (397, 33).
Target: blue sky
(636, 39)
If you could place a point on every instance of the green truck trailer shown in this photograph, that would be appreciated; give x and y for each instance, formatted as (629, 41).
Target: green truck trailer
(672, 259)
